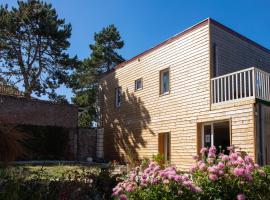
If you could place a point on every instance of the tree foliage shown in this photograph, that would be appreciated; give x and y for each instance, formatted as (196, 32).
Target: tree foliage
(103, 58)
(33, 44)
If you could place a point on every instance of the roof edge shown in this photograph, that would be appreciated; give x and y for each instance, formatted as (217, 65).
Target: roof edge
(184, 32)
(168, 41)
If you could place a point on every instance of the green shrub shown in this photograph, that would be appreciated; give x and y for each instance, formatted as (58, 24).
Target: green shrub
(20, 184)
(159, 159)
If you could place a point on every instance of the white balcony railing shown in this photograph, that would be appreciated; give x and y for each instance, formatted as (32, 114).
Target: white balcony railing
(248, 83)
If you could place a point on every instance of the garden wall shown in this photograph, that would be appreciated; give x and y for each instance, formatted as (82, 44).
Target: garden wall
(18, 110)
(87, 139)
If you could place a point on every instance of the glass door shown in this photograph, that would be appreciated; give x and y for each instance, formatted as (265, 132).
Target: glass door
(216, 134)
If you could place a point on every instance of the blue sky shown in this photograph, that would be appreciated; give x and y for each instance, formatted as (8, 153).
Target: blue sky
(145, 23)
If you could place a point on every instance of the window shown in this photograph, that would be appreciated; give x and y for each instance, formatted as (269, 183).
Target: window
(216, 134)
(164, 146)
(138, 84)
(118, 96)
(165, 81)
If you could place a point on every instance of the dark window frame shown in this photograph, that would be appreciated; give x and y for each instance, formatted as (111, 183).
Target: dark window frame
(161, 72)
(135, 83)
(118, 97)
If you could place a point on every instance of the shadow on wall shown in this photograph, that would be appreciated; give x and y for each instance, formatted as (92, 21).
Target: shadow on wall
(126, 128)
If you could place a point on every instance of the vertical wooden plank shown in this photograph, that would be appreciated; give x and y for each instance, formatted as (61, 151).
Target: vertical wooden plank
(267, 88)
(236, 82)
(233, 91)
(218, 99)
(249, 80)
(245, 85)
(212, 91)
(225, 88)
(241, 85)
(229, 86)
(254, 74)
(221, 89)
(214, 87)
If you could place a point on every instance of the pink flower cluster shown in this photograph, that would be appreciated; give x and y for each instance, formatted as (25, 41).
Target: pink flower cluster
(153, 175)
(219, 166)
(214, 166)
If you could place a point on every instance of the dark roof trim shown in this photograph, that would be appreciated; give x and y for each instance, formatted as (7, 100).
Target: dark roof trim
(179, 35)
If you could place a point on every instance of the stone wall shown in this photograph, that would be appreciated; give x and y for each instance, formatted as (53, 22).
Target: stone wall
(87, 139)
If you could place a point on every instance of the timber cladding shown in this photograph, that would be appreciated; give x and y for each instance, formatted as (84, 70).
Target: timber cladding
(131, 130)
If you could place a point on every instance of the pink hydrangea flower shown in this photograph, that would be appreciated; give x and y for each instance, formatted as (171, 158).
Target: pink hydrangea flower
(256, 166)
(238, 171)
(156, 169)
(123, 197)
(211, 155)
(213, 170)
(261, 173)
(221, 165)
(202, 166)
(213, 177)
(220, 172)
(203, 150)
(185, 178)
(152, 165)
(225, 158)
(147, 170)
(154, 181)
(177, 178)
(231, 148)
(249, 178)
(213, 150)
(193, 168)
(241, 197)
(248, 159)
(233, 156)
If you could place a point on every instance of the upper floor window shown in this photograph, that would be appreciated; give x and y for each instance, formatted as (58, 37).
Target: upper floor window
(138, 84)
(118, 96)
(165, 81)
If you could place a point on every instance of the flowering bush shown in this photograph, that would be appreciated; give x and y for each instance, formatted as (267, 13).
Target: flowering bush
(232, 176)
(214, 176)
(20, 183)
(156, 183)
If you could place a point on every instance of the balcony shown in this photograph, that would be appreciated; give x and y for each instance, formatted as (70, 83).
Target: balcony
(246, 84)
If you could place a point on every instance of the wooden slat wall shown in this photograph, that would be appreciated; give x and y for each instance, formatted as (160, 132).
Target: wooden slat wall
(133, 128)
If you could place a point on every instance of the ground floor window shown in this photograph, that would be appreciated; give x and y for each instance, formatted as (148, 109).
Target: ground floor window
(217, 134)
(164, 146)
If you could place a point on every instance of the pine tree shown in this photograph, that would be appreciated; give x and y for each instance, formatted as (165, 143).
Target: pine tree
(33, 44)
(103, 58)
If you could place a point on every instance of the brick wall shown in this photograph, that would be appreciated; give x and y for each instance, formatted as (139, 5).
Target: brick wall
(17, 110)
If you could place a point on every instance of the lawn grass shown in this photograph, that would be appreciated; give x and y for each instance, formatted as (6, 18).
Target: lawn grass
(55, 171)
